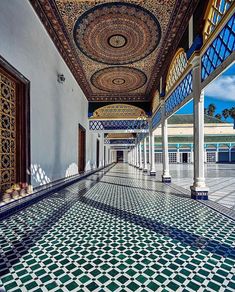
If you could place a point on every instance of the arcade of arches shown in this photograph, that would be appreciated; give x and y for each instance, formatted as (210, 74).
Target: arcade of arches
(95, 189)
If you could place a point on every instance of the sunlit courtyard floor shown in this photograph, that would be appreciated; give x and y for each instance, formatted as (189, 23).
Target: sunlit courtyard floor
(220, 178)
(117, 231)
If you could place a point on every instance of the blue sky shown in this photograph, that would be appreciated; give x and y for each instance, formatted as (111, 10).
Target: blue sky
(220, 92)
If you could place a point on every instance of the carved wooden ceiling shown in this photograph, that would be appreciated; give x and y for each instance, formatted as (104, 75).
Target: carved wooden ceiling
(116, 50)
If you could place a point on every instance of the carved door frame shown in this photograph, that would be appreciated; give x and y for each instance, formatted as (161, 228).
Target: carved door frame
(22, 120)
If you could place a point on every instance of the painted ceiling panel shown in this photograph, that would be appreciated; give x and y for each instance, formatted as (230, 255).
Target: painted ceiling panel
(116, 50)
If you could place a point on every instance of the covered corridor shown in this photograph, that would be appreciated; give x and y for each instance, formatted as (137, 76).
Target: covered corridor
(118, 230)
(90, 196)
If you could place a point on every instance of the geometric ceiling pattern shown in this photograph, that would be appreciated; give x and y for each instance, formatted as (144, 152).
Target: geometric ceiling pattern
(117, 33)
(116, 50)
(119, 111)
(119, 79)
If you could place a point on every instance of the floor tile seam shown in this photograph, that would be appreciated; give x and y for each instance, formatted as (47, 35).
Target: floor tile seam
(230, 213)
(143, 177)
(126, 186)
(216, 206)
(129, 178)
(227, 195)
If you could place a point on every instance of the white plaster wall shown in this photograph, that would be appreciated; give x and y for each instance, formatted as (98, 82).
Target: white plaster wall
(125, 156)
(114, 155)
(107, 158)
(56, 109)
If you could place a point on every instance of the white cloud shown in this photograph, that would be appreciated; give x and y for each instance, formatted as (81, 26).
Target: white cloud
(222, 88)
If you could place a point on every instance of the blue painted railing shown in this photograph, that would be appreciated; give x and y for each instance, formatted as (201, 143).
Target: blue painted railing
(157, 118)
(183, 90)
(219, 50)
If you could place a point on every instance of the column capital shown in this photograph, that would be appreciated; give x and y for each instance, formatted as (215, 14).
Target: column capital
(162, 103)
(195, 60)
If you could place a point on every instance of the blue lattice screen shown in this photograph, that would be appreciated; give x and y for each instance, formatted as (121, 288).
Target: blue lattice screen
(118, 125)
(183, 90)
(120, 141)
(157, 118)
(220, 49)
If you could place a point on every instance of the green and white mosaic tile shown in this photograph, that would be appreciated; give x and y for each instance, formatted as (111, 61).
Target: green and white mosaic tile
(119, 232)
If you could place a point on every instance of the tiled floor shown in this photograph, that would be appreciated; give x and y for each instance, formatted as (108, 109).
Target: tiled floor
(121, 231)
(220, 178)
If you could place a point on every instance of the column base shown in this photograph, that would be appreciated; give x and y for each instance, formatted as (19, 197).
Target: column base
(199, 193)
(145, 170)
(166, 179)
(140, 168)
(152, 173)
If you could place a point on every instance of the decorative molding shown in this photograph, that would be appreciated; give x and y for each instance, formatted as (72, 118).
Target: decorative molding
(119, 111)
(107, 125)
(182, 13)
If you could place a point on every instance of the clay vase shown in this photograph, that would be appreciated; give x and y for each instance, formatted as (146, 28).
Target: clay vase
(15, 195)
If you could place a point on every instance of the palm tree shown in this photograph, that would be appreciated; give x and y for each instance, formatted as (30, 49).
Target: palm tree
(232, 115)
(211, 109)
(226, 113)
(218, 116)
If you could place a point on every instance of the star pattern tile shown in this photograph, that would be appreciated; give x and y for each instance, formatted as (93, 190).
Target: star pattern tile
(118, 231)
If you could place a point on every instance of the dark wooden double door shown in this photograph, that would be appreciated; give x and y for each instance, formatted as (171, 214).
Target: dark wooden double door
(81, 149)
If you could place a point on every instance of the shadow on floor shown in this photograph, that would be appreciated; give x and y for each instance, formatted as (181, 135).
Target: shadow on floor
(21, 247)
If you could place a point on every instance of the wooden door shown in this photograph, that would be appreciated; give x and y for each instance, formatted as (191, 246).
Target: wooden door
(14, 127)
(81, 149)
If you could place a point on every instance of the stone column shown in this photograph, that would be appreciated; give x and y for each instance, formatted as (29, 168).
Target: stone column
(152, 158)
(178, 154)
(230, 154)
(137, 156)
(217, 153)
(134, 153)
(166, 178)
(205, 155)
(191, 154)
(140, 157)
(145, 166)
(199, 190)
(102, 158)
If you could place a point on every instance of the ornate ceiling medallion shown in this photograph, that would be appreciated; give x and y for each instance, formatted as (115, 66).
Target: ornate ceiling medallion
(117, 41)
(117, 33)
(118, 79)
